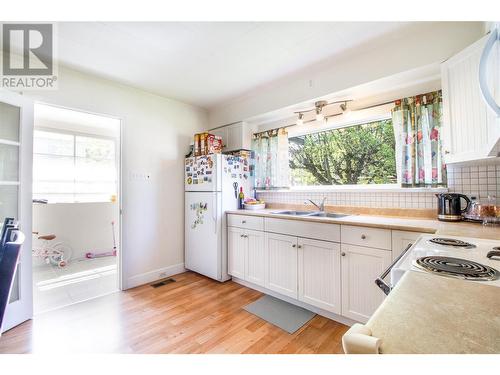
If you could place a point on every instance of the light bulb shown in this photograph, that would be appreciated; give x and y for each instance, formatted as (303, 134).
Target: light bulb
(345, 111)
(319, 110)
(300, 120)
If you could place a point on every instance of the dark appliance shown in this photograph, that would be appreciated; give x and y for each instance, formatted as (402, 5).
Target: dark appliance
(10, 248)
(450, 206)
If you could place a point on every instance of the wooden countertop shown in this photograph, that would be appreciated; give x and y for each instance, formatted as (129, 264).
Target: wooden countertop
(433, 314)
(462, 229)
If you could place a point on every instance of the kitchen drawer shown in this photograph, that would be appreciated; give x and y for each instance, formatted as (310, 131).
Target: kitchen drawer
(306, 229)
(364, 236)
(244, 221)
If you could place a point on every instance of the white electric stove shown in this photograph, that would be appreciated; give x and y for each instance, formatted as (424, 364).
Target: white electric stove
(470, 259)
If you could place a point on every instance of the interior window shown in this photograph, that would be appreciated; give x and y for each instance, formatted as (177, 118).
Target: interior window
(359, 154)
(73, 168)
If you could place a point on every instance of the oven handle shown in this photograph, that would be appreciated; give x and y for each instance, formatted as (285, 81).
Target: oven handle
(386, 288)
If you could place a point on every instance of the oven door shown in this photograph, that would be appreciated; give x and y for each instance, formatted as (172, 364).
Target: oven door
(380, 281)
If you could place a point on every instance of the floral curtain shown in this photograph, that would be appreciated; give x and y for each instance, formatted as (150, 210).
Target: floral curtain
(417, 127)
(271, 159)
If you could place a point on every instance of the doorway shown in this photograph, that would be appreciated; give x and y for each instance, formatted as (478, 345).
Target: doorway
(76, 206)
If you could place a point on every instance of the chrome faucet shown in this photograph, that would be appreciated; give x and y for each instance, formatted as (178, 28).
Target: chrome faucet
(320, 206)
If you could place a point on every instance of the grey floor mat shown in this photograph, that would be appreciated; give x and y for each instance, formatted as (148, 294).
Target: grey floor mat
(280, 313)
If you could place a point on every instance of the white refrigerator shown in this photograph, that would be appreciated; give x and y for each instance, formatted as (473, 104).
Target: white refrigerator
(212, 184)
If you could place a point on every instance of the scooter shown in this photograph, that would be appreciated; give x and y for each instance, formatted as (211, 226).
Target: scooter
(102, 254)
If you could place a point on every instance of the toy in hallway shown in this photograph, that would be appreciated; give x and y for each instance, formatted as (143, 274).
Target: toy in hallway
(57, 254)
(102, 254)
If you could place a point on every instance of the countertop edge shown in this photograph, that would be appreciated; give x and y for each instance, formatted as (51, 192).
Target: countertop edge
(342, 221)
(409, 224)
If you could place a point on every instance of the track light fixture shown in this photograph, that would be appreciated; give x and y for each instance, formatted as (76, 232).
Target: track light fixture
(319, 109)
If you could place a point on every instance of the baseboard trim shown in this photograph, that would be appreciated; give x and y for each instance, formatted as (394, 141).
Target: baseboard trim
(160, 273)
(314, 309)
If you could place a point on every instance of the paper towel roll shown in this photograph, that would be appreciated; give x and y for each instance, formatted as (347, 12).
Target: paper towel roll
(359, 340)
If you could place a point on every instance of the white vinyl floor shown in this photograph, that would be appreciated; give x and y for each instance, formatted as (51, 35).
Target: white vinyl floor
(80, 280)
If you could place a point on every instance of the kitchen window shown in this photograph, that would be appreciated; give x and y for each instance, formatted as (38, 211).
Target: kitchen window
(70, 167)
(359, 154)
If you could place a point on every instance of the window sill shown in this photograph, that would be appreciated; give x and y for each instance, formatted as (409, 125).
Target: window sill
(355, 189)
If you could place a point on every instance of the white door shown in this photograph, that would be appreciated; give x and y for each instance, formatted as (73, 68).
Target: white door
(360, 267)
(256, 260)
(16, 152)
(203, 233)
(237, 247)
(282, 264)
(319, 274)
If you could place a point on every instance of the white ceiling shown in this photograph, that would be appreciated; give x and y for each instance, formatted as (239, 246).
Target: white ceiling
(207, 63)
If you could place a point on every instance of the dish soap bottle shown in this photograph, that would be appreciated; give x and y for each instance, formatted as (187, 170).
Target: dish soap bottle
(241, 199)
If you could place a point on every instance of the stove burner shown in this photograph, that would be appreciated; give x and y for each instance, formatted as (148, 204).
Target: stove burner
(458, 268)
(451, 242)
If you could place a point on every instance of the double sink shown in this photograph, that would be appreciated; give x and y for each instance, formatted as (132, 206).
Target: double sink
(310, 214)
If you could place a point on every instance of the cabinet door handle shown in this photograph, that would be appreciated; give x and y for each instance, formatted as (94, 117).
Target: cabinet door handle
(293, 245)
(342, 253)
(243, 221)
(242, 235)
(300, 246)
(483, 84)
(363, 237)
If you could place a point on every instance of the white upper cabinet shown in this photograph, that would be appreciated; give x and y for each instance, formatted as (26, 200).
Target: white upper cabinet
(237, 136)
(471, 129)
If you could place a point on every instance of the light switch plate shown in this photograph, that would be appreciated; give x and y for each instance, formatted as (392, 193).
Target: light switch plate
(140, 176)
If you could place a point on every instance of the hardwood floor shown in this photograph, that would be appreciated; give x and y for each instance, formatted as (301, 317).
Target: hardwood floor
(192, 315)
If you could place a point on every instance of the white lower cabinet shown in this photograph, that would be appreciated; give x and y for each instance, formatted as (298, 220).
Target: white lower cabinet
(338, 278)
(319, 274)
(360, 267)
(236, 243)
(256, 257)
(282, 264)
(401, 239)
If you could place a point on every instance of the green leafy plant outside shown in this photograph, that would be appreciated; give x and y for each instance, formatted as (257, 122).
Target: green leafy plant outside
(360, 154)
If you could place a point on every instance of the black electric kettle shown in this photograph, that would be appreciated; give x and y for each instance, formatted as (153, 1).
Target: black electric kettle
(450, 206)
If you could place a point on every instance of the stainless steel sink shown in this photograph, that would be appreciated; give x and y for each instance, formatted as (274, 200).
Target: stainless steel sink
(328, 214)
(310, 214)
(295, 213)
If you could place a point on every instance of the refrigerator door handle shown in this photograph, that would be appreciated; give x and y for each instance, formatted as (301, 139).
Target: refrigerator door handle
(215, 209)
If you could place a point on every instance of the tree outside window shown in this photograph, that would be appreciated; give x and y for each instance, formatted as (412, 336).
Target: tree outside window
(359, 154)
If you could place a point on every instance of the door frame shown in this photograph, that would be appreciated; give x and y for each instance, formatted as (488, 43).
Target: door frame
(119, 148)
(22, 310)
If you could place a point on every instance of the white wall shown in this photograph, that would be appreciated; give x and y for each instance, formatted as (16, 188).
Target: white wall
(413, 47)
(83, 226)
(155, 138)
